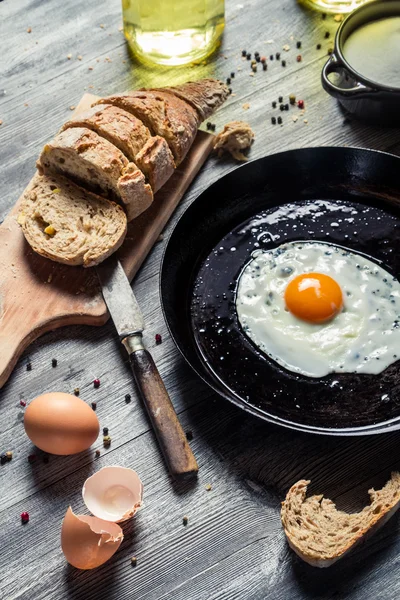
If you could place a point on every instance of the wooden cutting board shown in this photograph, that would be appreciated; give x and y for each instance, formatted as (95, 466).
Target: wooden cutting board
(38, 295)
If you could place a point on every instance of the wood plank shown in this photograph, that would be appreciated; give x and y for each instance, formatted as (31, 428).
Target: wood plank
(233, 546)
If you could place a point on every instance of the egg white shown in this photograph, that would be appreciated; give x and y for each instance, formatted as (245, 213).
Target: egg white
(363, 338)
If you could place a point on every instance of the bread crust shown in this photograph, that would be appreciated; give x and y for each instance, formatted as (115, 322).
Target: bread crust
(117, 126)
(205, 96)
(320, 534)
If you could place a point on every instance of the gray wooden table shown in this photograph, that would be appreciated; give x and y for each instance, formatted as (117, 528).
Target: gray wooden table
(233, 546)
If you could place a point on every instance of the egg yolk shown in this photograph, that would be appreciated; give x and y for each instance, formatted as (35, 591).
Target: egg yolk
(314, 297)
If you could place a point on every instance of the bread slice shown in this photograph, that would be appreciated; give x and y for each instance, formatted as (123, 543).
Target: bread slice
(99, 166)
(320, 534)
(67, 224)
(164, 114)
(117, 126)
(205, 95)
(132, 137)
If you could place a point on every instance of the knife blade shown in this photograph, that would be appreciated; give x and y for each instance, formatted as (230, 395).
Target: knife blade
(129, 323)
(120, 299)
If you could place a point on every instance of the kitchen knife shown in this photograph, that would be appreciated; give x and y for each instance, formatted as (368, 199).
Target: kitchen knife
(128, 320)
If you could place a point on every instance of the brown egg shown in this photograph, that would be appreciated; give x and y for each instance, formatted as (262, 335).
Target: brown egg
(60, 423)
(87, 542)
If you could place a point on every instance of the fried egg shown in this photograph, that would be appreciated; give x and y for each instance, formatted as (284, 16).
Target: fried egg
(316, 308)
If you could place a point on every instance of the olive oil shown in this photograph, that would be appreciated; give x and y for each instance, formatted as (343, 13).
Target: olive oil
(173, 32)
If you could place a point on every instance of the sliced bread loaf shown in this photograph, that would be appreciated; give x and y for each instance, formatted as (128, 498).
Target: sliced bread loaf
(205, 95)
(132, 137)
(99, 166)
(67, 224)
(164, 114)
(320, 534)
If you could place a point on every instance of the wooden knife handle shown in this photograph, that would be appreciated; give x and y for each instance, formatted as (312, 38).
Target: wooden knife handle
(171, 437)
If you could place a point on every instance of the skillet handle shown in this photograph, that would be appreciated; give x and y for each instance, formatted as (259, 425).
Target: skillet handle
(331, 66)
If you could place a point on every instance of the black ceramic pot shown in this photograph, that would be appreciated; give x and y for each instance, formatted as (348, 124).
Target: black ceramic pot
(366, 99)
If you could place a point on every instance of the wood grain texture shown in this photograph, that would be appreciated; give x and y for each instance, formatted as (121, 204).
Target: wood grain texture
(38, 295)
(233, 546)
(176, 450)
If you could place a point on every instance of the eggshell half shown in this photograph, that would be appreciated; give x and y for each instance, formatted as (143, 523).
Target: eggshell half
(113, 493)
(60, 423)
(88, 542)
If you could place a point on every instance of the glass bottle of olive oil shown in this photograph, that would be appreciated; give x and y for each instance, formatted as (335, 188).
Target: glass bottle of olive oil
(173, 32)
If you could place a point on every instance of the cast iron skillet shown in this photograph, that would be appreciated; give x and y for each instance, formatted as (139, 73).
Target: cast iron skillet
(365, 181)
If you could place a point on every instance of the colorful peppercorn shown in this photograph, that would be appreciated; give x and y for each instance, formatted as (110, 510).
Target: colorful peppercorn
(265, 66)
(22, 403)
(280, 99)
(158, 338)
(298, 44)
(233, 75)
(299, 58)
(54, 362)
(277, 55)
(29, 366)
(24, 517)
(185, 520)
(127, 398)
(279, 120)
(76, 391)
(3, 458)
(283, 63)
(105, 430)
(273, 120)
(263, 59)
(133, 561)
(292, 99)
(319, 46)
(300, 103)
(94, 405)
(96, 383)
(327, 35)
(244, 52)
(189, 435)
(274, 104)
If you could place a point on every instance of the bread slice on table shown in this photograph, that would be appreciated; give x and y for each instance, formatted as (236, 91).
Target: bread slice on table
(205, 95)
(320, 534)
(67, 224)
(164, 114)
(98, 165)
(122, 129)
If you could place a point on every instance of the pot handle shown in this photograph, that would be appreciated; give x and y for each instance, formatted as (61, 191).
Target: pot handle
(331, 66)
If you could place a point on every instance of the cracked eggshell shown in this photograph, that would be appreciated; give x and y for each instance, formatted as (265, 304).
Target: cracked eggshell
(88, 542)
(113, 493)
